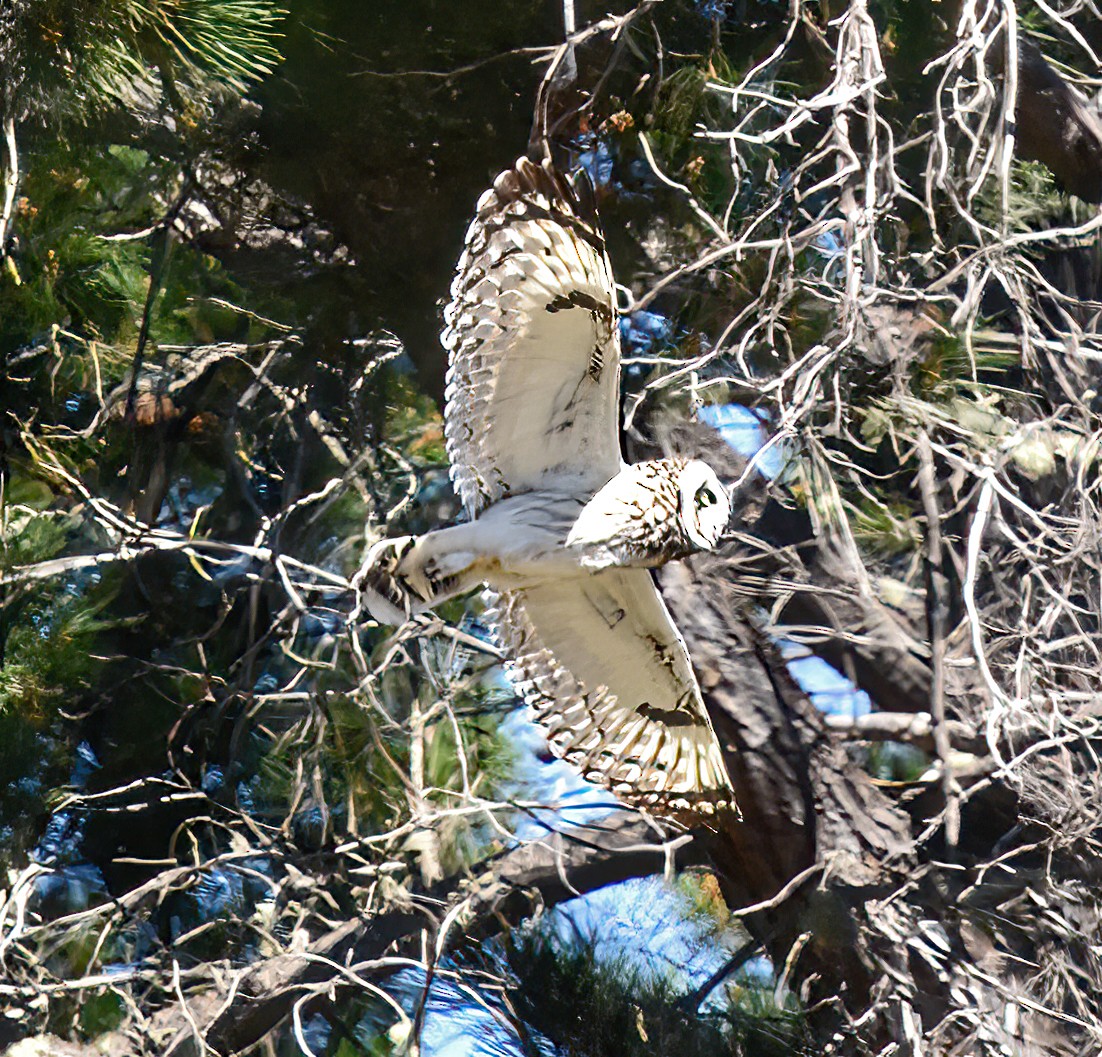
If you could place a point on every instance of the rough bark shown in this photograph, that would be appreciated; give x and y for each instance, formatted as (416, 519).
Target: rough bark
(807, 811)
(891, 937)
(886, 944)
(1058, 126)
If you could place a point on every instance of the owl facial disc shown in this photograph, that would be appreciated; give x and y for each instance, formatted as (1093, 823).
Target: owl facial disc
(704, 504)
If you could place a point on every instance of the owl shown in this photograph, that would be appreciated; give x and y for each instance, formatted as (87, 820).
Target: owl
(560, 530)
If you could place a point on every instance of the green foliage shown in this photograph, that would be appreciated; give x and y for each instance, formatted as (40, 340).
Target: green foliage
(47, 655)
(101, 1013)
(594, 1006)
(69, 274)
(414, 422)
(79, 58)
(948, 365)
(47, 669)
(893, 761)
(195, 44)
(29, 530)
(1034, 201)
(704, 903)
(886, 528)
(80, 270)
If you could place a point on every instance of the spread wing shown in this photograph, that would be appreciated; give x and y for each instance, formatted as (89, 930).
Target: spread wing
(600, 661)
(533, 345)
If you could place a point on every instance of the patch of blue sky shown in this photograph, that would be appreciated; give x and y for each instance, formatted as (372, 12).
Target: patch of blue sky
(644, 333)
(608, 169)
(647, 924)
(829, 690)
(597, 161)
(829, 244)
(745, 431)
(570, 799)
(716, 10)
(758, 971)
(455, 1023)
(831, 248)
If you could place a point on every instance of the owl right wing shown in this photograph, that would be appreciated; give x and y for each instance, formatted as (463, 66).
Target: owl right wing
(533, 344)
(599, 660)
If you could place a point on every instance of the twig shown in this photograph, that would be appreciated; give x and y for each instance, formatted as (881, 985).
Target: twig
(786, 890)
(690, 1003)
(11, 182)
(162, 245)
(937, 616)
(912, 728)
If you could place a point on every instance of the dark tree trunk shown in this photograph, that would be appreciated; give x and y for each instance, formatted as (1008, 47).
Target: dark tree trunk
(861, 918)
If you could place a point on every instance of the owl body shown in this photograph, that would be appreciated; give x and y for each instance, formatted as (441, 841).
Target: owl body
(560, 529)
(648, 514)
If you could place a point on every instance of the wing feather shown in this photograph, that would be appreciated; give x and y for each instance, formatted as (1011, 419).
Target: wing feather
(599, 660)
(534, 351)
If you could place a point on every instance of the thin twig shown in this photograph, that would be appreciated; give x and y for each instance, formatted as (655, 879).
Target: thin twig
(937, 616)
(11, 182)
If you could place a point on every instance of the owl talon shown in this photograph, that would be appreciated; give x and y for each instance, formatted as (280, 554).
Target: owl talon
(380, 584)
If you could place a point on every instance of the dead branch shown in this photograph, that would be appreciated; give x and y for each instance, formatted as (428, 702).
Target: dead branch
(914, 728)
(250, 1002)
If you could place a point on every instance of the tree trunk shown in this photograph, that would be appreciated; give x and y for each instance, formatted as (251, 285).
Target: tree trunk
(888, 938)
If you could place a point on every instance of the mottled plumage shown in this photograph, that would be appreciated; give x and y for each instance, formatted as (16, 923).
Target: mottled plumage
(561, 529)
(533, 279)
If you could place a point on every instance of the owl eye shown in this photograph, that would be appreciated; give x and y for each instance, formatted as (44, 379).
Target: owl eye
(704, 497)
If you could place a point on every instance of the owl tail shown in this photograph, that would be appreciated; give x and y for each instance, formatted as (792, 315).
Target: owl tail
(403, 577)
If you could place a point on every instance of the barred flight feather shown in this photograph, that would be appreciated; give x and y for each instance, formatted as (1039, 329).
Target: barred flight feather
(533, 309)
(606, 672)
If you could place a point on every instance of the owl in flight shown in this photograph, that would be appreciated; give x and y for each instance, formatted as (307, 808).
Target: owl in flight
(561, 530)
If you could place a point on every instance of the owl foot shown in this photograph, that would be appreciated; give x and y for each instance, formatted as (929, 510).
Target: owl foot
(399, 578)
(380, 585)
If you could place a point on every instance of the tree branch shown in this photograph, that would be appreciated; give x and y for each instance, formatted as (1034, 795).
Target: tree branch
(914, 728)
(11, 182)
(246, 1005)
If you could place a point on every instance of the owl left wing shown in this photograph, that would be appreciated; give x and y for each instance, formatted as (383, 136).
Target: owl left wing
(607, 673)
(533, 345)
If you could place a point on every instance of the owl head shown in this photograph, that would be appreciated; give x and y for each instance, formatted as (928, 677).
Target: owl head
(651, 513)
(704, 507)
